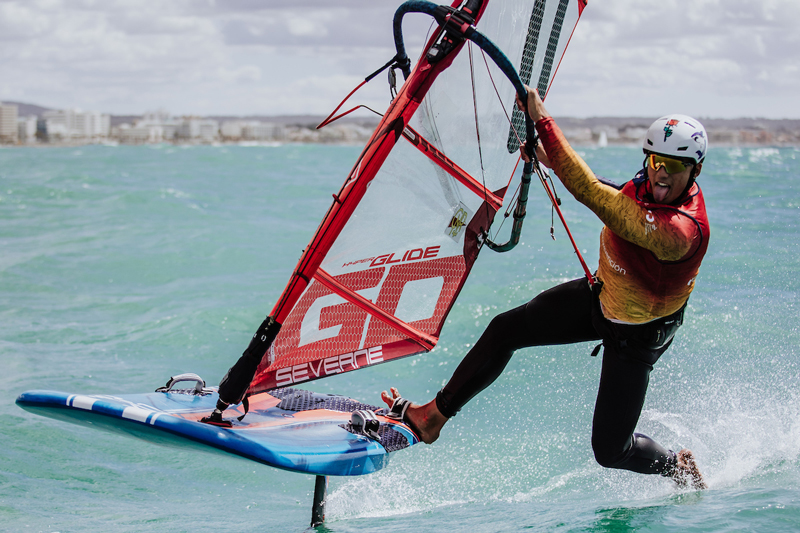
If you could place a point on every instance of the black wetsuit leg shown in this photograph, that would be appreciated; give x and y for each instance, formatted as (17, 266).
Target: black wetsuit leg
(570, 313)
(628, 357)
(620, 397)
(560, 315)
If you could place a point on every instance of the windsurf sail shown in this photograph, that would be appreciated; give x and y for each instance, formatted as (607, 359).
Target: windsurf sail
(395, 248)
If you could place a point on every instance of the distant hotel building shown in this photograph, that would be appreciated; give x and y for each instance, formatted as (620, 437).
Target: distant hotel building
(26, 129)
(8, 123)
(198, 129)
(138, 133)
(75, 125)
(154, 127)
(252, 130)
(158, 126)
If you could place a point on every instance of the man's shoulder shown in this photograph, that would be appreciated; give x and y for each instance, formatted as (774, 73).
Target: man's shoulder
(638, 179)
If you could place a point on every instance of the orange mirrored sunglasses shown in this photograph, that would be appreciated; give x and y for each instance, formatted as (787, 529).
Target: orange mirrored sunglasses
(672, 166)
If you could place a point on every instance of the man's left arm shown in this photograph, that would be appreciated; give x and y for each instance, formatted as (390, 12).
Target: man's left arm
(657, 230)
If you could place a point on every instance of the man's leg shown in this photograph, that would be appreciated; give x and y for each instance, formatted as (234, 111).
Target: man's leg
(560, 315)
(629, 355)
(623, 386)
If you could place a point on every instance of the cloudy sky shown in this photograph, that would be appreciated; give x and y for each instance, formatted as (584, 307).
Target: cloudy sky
(708, 58)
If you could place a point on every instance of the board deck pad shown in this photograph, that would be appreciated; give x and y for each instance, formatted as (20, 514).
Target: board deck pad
(289, 428)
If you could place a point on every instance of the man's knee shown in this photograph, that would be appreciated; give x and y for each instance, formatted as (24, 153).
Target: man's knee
(503, 322)
(604, 459)
(501, 330)
(606, 454)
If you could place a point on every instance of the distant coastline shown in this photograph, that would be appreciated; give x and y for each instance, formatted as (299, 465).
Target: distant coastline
(584, 132)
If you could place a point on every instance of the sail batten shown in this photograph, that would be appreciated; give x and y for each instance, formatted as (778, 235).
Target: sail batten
(451, 167)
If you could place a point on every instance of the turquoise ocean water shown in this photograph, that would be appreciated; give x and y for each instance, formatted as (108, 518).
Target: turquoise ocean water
(122, 266)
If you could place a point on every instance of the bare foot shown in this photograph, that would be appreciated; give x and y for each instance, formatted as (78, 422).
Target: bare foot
(686, 472)
(425, 420)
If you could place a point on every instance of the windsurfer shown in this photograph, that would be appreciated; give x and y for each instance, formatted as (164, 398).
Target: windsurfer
(655, 235)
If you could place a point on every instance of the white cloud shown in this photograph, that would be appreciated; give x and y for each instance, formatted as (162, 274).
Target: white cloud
(628, 57)
(706, 57)
(244, 74)
(306, 27)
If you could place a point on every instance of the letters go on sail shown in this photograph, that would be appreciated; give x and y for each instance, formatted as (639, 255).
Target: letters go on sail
(396, 246)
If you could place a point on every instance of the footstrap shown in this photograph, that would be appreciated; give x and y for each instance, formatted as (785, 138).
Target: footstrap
(398, 410)
(367, 423)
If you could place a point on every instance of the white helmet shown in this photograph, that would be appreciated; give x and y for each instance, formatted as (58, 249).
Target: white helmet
(677, 136)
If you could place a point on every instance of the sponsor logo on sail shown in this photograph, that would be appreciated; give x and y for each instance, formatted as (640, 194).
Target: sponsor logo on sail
(329, 366)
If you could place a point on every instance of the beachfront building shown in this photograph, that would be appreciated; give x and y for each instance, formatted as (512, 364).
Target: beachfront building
(634, 133)
(161, 119)
(139, 133)
(159, 116)
(26, 129)
(263, 131)
(231, 130)
(251, 130)
(578, 135)
(197, 130)
(56, 125)
(153, 127)
(8, 123)
(75, 125)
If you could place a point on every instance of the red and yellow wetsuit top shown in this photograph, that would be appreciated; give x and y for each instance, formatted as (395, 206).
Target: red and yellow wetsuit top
(649, 253)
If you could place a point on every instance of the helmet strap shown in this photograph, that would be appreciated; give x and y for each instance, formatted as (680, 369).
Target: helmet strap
(691, 181)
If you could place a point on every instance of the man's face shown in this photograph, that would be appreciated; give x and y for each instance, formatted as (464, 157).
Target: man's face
(668, 187)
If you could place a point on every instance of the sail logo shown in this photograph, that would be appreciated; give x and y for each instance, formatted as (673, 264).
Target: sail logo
(329, 366)
(458, 221)
(388, 259)
(326, 334)
(410, 255)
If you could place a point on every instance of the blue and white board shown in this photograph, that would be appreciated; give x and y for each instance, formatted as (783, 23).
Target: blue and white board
(291, 429)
